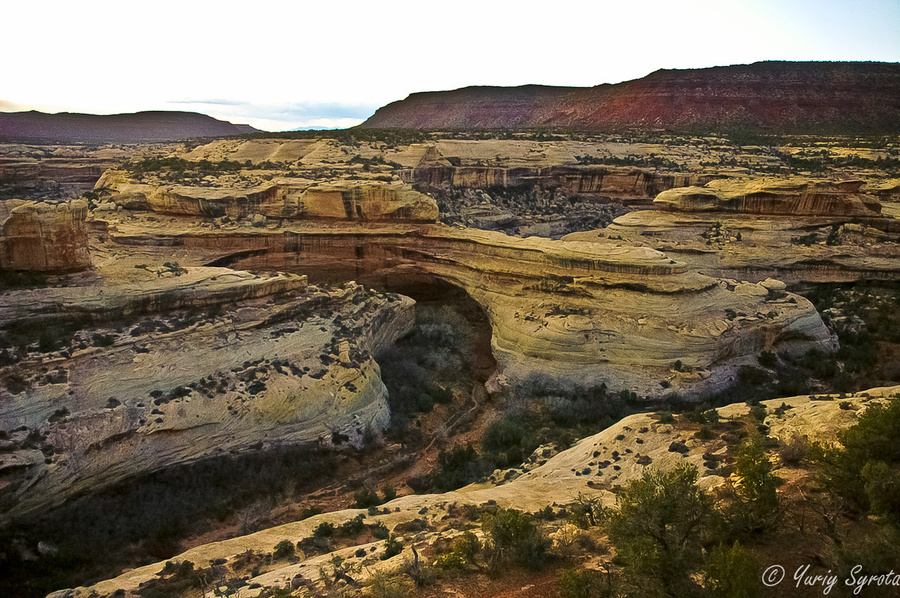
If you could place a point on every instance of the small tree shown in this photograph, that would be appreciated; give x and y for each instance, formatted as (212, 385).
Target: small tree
(659, 528)
(754, 506)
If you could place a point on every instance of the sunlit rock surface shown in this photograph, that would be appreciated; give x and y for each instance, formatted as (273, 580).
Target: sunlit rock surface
(282, 364)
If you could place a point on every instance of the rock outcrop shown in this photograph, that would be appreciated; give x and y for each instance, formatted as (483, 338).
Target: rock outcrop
(43, 237)
(361, 200)
(611, 182)
(795, 230)
(786, 197)
(584, 312)
(810, 97)
(284, 365)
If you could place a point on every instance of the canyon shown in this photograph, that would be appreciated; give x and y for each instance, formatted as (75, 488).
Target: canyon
(232, 297)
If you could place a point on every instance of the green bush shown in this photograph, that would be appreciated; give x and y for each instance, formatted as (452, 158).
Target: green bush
(366, 498)
(354, 527)
(457, 467)
(732, 573)
(514, 537)
(379, 531)
(392, 547)
(660, 526)
(283, 550)
(586, 583)
(755, 506)
(324, 530)
(872, 440)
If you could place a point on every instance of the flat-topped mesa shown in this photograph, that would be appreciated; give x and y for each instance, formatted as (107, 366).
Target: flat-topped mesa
(283, 198)
(43, 237)
(789, 198)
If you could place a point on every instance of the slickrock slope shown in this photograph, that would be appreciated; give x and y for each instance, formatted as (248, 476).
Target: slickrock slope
(811, 97)
(591, 468)
(286, 364)
(584, 312)
(68, 127)
(794, 230)
(43, 237)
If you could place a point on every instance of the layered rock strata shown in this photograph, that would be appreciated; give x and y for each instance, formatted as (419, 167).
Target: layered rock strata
(363, 200)
(787, 197)
(285, 364)
(584, 312)
(796, 231)
(43, 237)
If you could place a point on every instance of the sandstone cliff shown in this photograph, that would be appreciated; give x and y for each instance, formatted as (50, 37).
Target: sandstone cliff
(361, 200)
(584, 312)
(43, 237)
(785, 197)
(751, 229)
(283, 366)
(811, 97)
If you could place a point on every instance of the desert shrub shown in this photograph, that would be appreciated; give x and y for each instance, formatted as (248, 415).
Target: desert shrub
(585, 512)
(587, 583)
(660, 526)
(365, 498)
(767, 359)
(463, 551)
(793, 450)
(324, 530)
(388, 492)
(666, 417)
(758, 412)
(310, 511)
(510, 440)
(354, 527)
(392, 547)
(872, 440)
(457, 467)
(754, 506)
(882, 488)
(732, 573)
(514, 537)
(379, 531)
(382, 585)
(283, 550)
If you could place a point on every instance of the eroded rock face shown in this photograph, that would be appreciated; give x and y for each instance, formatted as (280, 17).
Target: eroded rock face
(583, 312)
(795, 198)
(750, 230)
(43, 237)
(292, 365)
(620, 183)
(361, 200)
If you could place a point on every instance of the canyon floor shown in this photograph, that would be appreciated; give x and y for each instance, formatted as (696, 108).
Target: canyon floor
(306, 364)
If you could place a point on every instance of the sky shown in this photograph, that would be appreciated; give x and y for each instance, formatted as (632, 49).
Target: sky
(288, 65)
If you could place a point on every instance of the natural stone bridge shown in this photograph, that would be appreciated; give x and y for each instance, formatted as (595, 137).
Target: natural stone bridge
(582, 312)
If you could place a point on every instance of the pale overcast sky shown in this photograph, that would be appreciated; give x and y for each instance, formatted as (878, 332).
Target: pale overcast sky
(285, 65)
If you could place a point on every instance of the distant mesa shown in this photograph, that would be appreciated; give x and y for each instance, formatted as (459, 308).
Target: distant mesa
(784, 97)
(67, 127)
